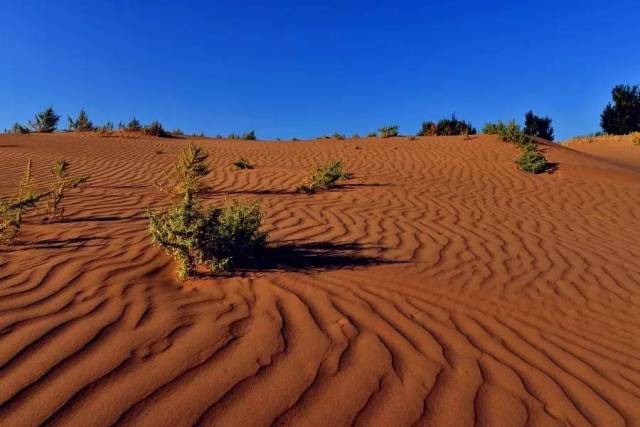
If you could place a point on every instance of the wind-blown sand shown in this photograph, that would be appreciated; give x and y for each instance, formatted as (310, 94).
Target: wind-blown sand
(440, 286)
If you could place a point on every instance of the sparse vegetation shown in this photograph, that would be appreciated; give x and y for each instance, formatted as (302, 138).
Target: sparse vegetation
(243, 163)
(134, 125)
(538, 126)
(82, 123)
(623, 116)
(388, 131)
(155, 128)
(46, 121)
(13, 208)
(61, 183)
(177, 132)
(216, 238)
(447, 127)
(532, 160)
(18, 129)
(338, 136)
(372, 135)
(107, 128)
(250, 136)
(635, 138)
(324, 177)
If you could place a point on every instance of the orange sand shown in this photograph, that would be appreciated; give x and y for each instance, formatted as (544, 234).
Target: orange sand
(441, 286)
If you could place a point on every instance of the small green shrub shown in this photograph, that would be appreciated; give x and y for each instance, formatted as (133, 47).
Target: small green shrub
(338, 136)
(61, 183)
(447, 127)
(250, 136)
(134, 125)
(155, 128)
(412, 138)
(18, 129)
(107, 128)
(45, 121)
(177, 132)
(372, 135)
(216, 238)
(531, 160)
(13, 208)
(82, 123)
(324, 177)
(635, 138)
(243, 163)
(388, 131)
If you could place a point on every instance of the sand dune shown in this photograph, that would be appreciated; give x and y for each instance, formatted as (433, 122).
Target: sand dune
(440, 286)
(620, 150)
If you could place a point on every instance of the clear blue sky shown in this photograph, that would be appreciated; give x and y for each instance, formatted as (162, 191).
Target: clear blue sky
(306, 68)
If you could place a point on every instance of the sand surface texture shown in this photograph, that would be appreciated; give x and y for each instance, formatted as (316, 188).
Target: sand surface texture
(440, 286)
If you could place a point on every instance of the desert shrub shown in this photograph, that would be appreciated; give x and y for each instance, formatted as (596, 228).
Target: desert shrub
(216, 238)
(511, 132)
(13, 208)
(494, 128)
(106, 128)
(532, 160)
(338, 136)
(635, 138)
(623, 116)
(355, 136)
(250, 136)
(243, 163)
(295, 139)
(428, 129)
(324, 177)
(17, 129)
(388, 131)
(82, 123)
(61, 183)
(538, 126)
(134, 125)
(412, 138)
(45, 121)
(177, 132)
(155, 128)
(234, 135)
(447, 127)
(372, 135)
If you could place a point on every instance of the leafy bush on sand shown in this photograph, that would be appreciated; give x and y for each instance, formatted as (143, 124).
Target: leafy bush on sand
(324, 177)
(538, 126)
(447, 127)
(216, 238)
(388, 131)
(45, 121)
(155, 128)
(82, 123)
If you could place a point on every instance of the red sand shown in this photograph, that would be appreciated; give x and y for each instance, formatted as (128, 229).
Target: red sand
(441, 286)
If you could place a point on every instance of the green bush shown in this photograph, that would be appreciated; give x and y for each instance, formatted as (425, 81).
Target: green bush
(243, 163)
(61, 183)
(13, 208)
(538, 126)
(45, 121)
(155, 128)
(324, 177)
(372, 135)
(82, 123)
(216, 238)
(388, 131)
(531, 160)
(338, 136)
(250, 136)
(447, 127)
(106, 128)
(18, 129)
(623, 116)
(177, 132)
(134, 125)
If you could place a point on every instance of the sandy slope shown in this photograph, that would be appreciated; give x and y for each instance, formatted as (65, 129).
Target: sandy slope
(441, 286)
(617, 149)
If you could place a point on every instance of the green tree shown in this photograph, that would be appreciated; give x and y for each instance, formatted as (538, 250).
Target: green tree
(45, 121)
(538, 126)
(623, 116)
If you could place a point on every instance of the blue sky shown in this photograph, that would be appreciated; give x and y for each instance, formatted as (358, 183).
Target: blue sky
(307, 68)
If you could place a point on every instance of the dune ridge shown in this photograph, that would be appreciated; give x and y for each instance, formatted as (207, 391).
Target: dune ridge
(439, 286)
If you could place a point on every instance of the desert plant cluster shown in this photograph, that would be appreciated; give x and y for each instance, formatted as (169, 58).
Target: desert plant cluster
(324, 177)
(447, 127)
(531, 159)
(217, 238)
(27, 198)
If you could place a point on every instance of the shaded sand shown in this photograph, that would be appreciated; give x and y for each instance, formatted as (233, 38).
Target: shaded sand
(616, 149)
(441, 286)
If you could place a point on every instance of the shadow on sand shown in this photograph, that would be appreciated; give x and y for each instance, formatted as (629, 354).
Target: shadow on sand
(311, 257)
